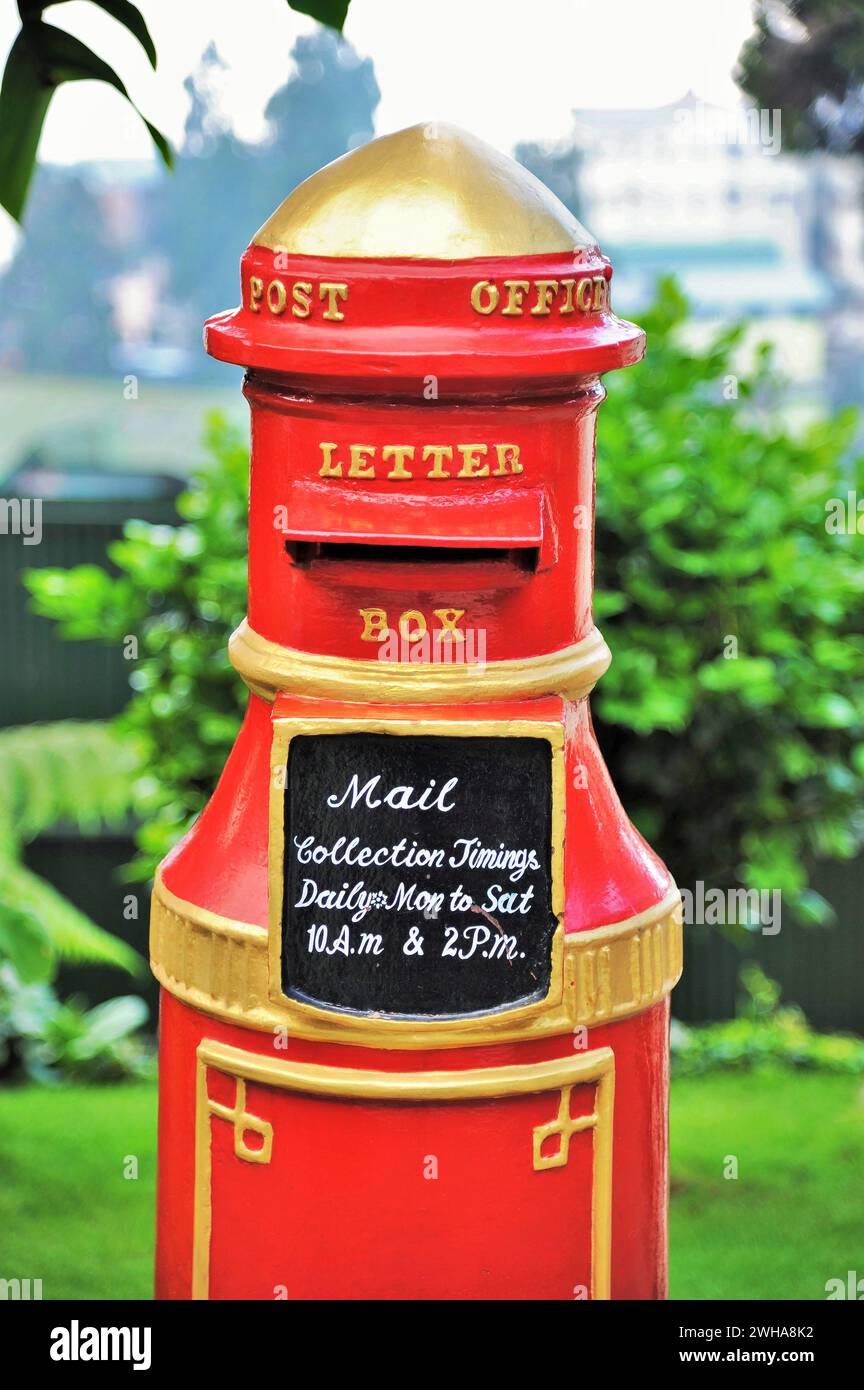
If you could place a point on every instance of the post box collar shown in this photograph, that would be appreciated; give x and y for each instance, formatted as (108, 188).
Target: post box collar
(424, 253)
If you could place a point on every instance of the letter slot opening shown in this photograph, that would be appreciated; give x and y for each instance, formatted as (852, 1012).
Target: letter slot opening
(364, 553)
(506, 533)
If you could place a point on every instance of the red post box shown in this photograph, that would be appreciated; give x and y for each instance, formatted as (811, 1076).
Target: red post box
(415, 961)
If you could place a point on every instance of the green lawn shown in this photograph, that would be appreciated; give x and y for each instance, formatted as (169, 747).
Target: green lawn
(68, 1216)
(793, 1219)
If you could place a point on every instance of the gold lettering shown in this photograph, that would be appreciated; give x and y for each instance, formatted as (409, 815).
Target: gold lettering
(333, 291)
(361, 465)
(546, 290)
(302, 296)
(489, 289)
(588, 293)
(438, 453)
(508, 459)
(276, 302)
(516, 292)
(375, 627)
(328, 468)
(449, 617)
(471, 465)
(473, 460)
(256, 289)
(583, 295)
(399, 453)
(412, 615)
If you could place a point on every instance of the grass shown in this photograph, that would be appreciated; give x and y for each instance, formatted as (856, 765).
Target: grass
(68, 1215)
(792, 1220)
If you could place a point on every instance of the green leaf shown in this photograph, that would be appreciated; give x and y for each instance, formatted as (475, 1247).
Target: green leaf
(132, 19)
(831, 711)
(24, 100)
(331, 12)
(41, 58)
(67, 771)
(165, 151)
(70, 934)
(24, 943)
(114, 1019)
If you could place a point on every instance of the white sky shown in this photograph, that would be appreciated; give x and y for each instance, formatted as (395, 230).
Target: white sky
(505, 69)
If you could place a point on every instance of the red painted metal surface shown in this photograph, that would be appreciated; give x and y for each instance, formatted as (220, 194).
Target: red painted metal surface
(527, 604)
(342, 1208)
(409, 318)
(610, 873)
(347, 1212)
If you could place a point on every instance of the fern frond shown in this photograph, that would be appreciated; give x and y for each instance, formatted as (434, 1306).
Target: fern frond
(68, 771)
(71, 935)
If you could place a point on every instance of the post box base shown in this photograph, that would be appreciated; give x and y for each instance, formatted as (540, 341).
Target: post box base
(305, 1171)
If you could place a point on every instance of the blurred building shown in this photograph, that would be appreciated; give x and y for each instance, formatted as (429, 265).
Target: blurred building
(708, 195)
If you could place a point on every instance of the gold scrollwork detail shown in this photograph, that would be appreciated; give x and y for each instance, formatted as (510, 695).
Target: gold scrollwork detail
(244, 1123)
(562, 1128)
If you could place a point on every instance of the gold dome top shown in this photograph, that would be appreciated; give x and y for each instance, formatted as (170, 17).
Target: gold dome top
(430, 192)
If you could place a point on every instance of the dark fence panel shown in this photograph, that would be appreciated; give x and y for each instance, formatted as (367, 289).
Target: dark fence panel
(86, 870)
(45, 677)
(819, 968)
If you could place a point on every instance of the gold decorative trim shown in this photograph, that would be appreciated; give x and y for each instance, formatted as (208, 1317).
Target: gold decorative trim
(563, 1127)
(346, 1083)
(268, 668)
(244, 1123)
(220, 967)
(431, 191)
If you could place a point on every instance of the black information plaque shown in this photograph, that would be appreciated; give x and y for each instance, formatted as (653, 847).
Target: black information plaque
(417, 873)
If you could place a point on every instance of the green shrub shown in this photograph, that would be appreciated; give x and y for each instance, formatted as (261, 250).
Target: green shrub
(763, 1033)
(710, 527)
(180, 591)
(42, 1039)
(80, 774)
(732, 717)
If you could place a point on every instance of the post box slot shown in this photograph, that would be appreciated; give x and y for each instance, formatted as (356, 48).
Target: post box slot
(505, 527)
(523, 557)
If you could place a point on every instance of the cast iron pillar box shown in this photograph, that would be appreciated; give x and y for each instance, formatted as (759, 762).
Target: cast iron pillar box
(415, 961)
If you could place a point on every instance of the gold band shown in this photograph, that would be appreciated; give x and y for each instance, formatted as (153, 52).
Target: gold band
(221, 968)
(268, 668)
